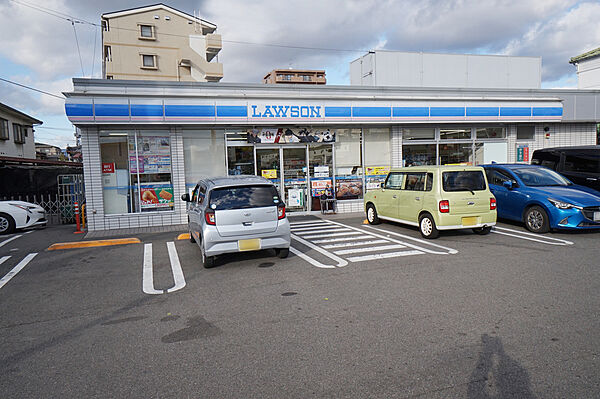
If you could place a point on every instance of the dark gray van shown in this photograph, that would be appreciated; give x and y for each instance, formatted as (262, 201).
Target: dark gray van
(581, 165)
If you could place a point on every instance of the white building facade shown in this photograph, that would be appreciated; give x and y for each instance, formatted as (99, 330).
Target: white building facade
(16, 133)
(146, 143)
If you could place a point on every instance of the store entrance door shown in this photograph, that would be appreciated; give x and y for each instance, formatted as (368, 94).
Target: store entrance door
(295, 181)
(286, 167)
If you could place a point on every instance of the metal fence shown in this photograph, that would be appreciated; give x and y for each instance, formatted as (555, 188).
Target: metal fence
(60, 206)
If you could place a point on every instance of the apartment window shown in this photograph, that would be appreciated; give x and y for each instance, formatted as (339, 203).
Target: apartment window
(147, 32)
(3, 129)
(107, 54)
(306, 78)
(18, 134)
(149, 61)
(287, 77)
(525, 132)
(109, 77)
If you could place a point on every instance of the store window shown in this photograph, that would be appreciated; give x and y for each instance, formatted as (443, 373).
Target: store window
(203, 154)
(456, 154)
(490, 133)
(377, 156)
(419, 154)
(136, 171)
(240, 160)
(320, 164)
(418, 133)
(525, 132)
(455, 134)
(348, 161)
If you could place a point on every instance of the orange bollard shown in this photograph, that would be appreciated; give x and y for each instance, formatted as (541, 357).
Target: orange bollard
(78, 231)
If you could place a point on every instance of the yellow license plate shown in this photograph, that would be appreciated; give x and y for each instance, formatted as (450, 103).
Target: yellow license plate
(249, 245)
(470, 221)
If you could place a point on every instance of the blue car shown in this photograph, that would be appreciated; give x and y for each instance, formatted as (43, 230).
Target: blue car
(542, 198)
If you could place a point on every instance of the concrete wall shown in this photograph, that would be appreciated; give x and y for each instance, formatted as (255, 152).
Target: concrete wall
(409, 69)
(588, 74)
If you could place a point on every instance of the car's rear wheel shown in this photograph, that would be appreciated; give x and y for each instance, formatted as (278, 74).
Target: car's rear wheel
(372, 217)
(7, 224)
(536, 220)
(482, 230)
(207, 261)
(282, 252)
(427, 226)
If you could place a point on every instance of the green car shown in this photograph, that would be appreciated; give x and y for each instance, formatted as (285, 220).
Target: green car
(434, 198)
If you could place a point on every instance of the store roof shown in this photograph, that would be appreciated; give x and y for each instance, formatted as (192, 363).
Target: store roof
(585, 56)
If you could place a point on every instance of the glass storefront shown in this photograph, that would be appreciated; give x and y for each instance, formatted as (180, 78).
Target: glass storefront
(136, 171)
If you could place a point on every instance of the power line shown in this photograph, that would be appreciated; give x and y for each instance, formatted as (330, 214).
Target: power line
(78, 50)
(72, 19)
(31, 88)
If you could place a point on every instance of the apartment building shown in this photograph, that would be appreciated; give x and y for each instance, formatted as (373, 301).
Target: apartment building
(159, 42)
(301, 76)
(588, 69)
(16, 133)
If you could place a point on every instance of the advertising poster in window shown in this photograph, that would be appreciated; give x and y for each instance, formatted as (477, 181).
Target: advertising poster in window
(320, 187)
(375, 176)
(153, 155)
(288, 135)
(156, 196)
(348, 188)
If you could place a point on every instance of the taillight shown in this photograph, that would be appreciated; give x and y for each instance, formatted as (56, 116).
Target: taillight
(209, 216)
(281, 212)
(444, 206)
(492, 204)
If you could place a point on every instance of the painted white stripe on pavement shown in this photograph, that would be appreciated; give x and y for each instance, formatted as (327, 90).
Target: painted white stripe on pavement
(368, 249)
(3, 259)
(325, 232)
(537, 237)
(16, 269)
(176, 267)
(10, 239)
(340, 262)
(327, 227)
(532, 239)
(354, 244)
(451, 251)
(350, 233)
(342, 239)
(147, 277)
(383, 256)
(310, 260)
(315, 222)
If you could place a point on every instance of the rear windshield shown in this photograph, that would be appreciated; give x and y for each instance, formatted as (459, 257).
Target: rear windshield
(241, 197)
(471, 180)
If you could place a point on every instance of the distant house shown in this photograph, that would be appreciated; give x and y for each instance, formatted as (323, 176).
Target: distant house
(588, 69)
(158, 42)
(50, 152)
(16, 133)
(301, 76)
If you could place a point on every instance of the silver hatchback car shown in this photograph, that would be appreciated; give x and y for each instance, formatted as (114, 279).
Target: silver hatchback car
(235, 214)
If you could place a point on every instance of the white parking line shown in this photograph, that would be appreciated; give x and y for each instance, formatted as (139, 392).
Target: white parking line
(530, 236)
(147, 275)
(10, 239)
(383, 256)
(368, 249)
(316, 228)
(342, 239)
(354, 244)
(327, 232)
(314, 222)
(15, 269)
(3, 259)
(176, 268)
(350, 233)
(339, 261)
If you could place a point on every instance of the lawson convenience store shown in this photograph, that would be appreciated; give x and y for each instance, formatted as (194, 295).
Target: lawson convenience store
(146, 143)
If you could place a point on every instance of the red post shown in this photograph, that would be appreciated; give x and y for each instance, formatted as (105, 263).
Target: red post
(77, 219)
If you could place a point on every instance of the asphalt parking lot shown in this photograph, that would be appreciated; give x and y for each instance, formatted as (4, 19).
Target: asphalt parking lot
(354, 311)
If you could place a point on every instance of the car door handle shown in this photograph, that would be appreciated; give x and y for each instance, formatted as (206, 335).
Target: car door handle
(247, 223)
(417, 198)
(591, 178)
(393, 196)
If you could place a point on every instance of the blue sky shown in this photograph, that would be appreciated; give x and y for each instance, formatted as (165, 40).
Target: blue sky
(38, 46)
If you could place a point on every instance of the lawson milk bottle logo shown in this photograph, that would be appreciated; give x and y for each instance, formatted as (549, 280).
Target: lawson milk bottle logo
(285, 111)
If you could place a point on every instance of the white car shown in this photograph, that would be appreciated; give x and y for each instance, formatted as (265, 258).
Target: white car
(19, 215)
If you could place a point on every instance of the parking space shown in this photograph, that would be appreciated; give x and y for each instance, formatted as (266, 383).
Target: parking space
(352, 295)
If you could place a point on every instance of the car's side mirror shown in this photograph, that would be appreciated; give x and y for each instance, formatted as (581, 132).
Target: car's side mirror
(508, 184)
(185, 197)
(382, 185)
